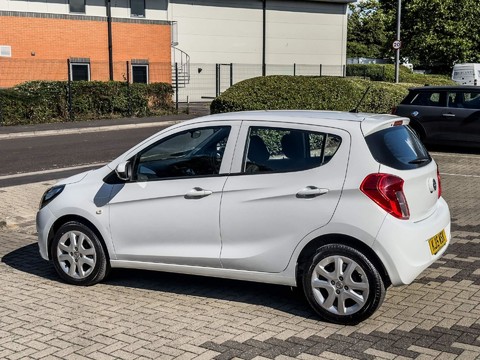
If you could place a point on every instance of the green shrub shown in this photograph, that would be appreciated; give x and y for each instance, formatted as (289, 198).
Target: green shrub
(386, 72)
(309, 93)
(47, 101)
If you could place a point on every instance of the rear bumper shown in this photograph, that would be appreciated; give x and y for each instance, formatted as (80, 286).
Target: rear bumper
(403, 245)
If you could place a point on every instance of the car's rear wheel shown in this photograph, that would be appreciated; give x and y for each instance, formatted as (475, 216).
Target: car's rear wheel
(342, 285)
(78, 254)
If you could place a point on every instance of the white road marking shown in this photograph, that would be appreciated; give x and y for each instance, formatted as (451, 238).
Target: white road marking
(42, 172)
(27, 134)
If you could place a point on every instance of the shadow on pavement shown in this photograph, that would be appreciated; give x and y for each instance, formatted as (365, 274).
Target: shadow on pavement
(28, 260)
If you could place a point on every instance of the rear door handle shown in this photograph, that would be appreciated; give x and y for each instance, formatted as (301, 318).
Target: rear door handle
(448, 115)
(311, 192)
(197, 193)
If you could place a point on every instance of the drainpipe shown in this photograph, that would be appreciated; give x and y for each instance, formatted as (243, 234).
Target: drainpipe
(264, 65)
(110, 51)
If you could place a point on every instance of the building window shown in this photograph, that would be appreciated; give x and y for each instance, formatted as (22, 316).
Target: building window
(140, 73)
(77, 6)
(80, 70)
(5, 51)
(137, 8)
(140, 70)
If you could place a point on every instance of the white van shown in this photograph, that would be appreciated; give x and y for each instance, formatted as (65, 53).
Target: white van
(466, 74)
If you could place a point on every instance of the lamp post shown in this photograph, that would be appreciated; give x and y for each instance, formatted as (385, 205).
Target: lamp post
(398, 43)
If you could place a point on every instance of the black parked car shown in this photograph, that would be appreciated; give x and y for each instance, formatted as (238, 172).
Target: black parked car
(448, 115)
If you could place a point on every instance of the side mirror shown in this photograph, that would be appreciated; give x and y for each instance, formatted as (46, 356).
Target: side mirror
(124, 171)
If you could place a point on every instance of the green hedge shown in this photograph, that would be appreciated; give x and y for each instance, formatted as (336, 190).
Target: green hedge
(379, 72)
(309, 93)
(47, 101)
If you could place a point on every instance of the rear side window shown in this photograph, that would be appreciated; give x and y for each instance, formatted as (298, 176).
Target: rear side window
(399, 148)
(282, 149)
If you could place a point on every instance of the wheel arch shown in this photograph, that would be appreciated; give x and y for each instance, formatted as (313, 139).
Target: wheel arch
(68, 218)
(418, 128)
(346, 240)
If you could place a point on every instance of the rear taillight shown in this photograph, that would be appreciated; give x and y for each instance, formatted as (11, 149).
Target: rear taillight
(439, 183)
(387, 191)
(394, 110)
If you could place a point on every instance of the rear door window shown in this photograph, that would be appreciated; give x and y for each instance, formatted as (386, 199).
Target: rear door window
(398, 147)
(282, 149)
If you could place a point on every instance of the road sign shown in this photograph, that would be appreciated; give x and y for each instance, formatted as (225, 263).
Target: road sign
(397, 44)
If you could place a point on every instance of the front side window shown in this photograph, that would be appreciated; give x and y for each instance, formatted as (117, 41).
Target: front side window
(197, 152)
(137, 8)
(77, 6)
(278, 149)
(80, 71)
(425, 98)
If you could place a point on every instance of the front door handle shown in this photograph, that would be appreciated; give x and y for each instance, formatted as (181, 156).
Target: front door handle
(448, 115)
(197, 193)
(311, 192)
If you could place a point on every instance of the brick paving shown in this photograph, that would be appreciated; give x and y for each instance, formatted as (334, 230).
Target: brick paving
(152, 315)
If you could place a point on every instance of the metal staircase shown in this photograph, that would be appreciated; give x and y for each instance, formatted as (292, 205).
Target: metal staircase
(180, 66)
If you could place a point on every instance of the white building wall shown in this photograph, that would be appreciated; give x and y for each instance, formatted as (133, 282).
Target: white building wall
(305, 33)
(297, 31)
(217, 33)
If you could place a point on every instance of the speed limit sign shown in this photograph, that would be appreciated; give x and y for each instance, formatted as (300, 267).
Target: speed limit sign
(397, 44)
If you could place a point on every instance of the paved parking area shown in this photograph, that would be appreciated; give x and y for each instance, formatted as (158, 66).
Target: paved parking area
(149, 315)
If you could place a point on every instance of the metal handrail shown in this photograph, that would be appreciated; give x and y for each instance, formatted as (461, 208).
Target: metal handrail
(181, 58)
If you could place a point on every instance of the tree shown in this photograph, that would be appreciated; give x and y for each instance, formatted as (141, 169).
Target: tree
(366, 30)
(436, 34)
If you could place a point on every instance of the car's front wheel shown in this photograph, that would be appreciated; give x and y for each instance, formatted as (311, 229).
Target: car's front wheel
(342, 285)
(78, 254)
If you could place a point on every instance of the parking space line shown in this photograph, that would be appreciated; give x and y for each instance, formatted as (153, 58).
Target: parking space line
(465, 156)
(462, 175)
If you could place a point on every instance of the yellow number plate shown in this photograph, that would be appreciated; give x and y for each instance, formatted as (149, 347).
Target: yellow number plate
(437, 242)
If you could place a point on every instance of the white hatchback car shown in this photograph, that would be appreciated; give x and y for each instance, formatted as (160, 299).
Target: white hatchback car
(341, 205)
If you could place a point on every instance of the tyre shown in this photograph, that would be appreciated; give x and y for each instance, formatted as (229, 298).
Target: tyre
(78, 255)
(342, 285)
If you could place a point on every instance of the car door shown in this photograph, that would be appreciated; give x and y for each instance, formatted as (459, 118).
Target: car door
(286, 182)
(463, 115)
(169, 212)
(429, 110)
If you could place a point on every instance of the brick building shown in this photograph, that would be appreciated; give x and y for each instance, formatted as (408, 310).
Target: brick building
(99, 37)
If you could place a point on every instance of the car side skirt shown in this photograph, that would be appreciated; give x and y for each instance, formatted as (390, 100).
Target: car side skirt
(270, 278)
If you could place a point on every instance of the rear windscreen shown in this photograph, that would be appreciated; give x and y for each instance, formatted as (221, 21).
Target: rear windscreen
(398, 147)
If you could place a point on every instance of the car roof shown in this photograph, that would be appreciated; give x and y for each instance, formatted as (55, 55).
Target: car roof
(445, 87)
(336, 119)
